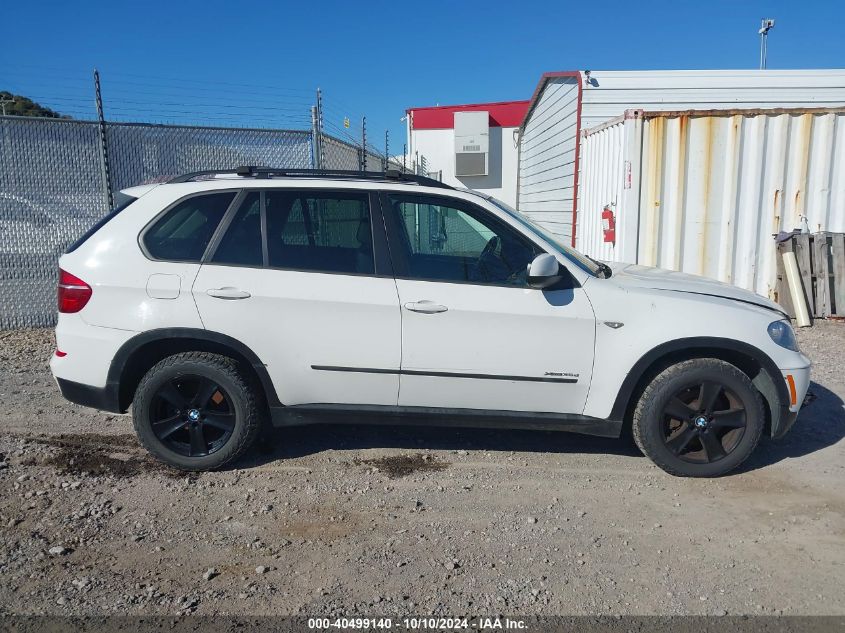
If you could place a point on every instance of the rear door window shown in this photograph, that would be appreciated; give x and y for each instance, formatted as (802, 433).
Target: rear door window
(183, 233)
(320, 231)
(241, 244)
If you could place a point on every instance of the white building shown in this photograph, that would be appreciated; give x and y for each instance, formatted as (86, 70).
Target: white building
(473, 146)
(567, 103)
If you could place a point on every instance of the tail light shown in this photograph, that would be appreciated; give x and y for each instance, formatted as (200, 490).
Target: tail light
(73, 292)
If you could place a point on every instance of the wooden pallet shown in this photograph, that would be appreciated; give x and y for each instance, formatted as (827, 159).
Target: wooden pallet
(821, 263)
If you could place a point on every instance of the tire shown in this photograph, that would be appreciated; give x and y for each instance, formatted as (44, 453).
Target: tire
(688, 408)
(195, 411)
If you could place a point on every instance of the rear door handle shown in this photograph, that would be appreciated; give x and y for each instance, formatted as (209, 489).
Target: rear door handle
(228, 293)
(425, 306)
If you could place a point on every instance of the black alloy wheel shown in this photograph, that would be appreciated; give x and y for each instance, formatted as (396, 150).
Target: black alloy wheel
(191, 415)
(701, 417)
(197, 411)
(703, 423)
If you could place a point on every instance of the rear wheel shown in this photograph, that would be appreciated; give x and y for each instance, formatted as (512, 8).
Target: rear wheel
(699, 418)
(195, 411)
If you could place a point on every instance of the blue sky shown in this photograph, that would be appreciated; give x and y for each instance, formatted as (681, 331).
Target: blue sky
(259, 63)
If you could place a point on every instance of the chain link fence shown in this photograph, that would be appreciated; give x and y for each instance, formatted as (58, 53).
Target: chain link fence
(51, 191)
(53, 175)
(340, 154)
(141, 153)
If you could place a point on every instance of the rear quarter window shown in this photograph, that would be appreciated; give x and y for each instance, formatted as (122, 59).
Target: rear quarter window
(183, 233)
(122, 200)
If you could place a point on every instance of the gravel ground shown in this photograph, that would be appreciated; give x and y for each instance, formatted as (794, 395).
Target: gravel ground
(393, 521)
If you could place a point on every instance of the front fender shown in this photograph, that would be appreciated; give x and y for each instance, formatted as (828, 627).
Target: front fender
(762, 370)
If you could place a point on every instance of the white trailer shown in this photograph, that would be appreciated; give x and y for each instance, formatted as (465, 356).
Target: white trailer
(704, 192)
(566, 103)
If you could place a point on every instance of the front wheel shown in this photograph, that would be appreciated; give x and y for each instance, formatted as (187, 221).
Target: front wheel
(699, 418)
(196, 411)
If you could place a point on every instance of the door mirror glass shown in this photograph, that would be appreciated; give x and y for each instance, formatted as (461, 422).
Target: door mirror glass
(544, 271)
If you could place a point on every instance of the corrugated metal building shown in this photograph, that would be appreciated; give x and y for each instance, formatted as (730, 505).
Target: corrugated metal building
(548, 152)
(704, 192)
(565, 103)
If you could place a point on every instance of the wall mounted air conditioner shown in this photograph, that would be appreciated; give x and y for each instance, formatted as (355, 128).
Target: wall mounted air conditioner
(472, 143)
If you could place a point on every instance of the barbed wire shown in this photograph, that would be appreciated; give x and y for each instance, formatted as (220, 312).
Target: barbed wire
(159, 98)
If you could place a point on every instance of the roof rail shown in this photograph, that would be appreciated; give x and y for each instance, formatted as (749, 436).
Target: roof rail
(252, 171)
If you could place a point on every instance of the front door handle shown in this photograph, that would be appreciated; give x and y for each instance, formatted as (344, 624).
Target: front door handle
(228, 293)
(425, 306)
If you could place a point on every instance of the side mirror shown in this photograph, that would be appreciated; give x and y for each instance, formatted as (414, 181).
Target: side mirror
(545, 271)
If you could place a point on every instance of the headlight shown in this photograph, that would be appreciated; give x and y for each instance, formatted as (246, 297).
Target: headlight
(782, 334)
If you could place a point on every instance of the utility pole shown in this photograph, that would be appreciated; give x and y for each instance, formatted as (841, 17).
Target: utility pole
(766, 25)
(3, 102)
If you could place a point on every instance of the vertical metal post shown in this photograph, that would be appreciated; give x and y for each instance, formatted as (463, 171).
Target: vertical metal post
(320, 154)
(314, 147)
(766, 25)
(363, 162)
(104, 148)
(386, 149)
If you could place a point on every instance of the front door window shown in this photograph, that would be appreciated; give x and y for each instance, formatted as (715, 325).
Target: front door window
(447, 241)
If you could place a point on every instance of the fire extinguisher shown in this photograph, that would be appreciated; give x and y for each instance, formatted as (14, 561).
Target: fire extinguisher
(608, 225)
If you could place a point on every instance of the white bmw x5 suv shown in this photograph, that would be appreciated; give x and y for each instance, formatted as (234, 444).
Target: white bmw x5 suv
(222, 302)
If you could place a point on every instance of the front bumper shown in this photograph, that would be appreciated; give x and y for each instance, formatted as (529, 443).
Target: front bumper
(797, 381)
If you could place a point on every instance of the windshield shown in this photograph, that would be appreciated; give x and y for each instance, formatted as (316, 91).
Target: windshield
(587, 264)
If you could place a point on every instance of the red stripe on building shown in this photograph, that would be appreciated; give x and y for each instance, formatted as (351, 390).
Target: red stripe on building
(502, 114)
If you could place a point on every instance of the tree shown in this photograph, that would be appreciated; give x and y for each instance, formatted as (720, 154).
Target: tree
(17, 105)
